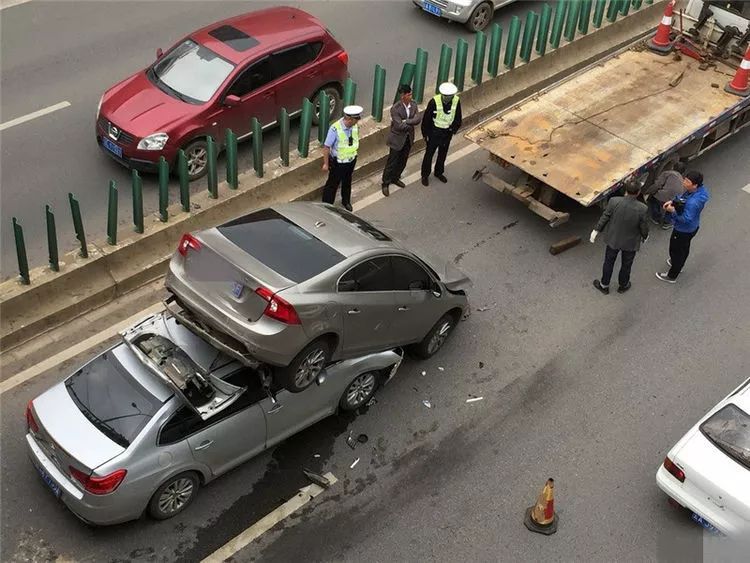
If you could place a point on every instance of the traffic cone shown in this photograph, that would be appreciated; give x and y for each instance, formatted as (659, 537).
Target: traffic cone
(660, 42)
(541, 517)
(740, 85)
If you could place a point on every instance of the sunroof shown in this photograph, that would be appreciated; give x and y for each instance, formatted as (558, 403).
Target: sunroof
(233, 37)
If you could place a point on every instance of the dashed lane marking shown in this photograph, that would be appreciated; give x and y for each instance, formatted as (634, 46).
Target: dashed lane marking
(33, 115)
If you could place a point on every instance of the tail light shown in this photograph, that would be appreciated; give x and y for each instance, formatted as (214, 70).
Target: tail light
(99, 485)
(278, 308)
(675, 471)
(343, 56)
(187, 242)
(30, 421)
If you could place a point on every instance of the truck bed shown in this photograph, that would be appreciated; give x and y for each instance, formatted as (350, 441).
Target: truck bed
(589, 132)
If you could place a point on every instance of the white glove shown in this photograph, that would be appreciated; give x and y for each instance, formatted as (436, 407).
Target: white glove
(593, 236)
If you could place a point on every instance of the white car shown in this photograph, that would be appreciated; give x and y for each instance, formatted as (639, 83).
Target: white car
(708, 470)
(474, 14)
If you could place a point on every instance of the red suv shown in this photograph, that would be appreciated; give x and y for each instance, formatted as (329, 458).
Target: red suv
(219, 78)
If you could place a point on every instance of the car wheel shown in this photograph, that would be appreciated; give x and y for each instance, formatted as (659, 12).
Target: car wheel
(435, 338)
(196, 154)
(305, 367)
(174, 496)
(334, 103)
(480, 17)
(359, 391)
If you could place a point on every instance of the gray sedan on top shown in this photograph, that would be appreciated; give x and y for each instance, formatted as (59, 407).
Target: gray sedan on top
(301, 284)
(141, 426)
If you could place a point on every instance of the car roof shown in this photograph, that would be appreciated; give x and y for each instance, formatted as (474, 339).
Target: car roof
(271, 28)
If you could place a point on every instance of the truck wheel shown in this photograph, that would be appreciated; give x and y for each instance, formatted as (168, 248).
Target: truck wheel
(480, 17)
(305, 367)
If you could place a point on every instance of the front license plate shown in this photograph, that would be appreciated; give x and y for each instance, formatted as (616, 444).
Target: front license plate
(237, 289)
(47, 479)
(697, 518)
(114, 148)
(431, 8)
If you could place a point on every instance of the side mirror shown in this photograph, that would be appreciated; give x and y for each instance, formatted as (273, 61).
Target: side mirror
(159, 53)
(232, 101)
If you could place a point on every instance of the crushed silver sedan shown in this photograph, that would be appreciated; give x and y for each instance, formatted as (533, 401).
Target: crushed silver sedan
(143, 425)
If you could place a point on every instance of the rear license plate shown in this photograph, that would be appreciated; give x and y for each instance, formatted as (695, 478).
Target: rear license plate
(431, 8)
(114, 148)
(237, 289)
(698, 519)
(47, 479)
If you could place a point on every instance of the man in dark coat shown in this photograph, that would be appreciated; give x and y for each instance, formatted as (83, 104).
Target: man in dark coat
(442, 119)
(404, 117)
(625, 225)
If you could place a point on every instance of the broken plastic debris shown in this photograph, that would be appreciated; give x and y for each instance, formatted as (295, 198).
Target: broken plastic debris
(350, 441)
(316, 455)
(427, 403)
(486, 308)
(474, 399)
(424, 373)
(371, 402)
(441, 368)
(317, 479)
(481, 365)
(356, 461)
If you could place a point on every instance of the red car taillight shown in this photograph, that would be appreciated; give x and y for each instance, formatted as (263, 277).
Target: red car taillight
(30, 421)
(675, 471)
(343, 56)
(187, 242)
(278, 308)
(99, 485)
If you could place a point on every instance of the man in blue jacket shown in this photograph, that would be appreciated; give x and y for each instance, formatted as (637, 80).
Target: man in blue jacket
(685, 212)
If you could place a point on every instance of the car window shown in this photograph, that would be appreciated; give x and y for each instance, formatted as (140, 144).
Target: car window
(257, 75)
(407, 275)
(290, 59)
(182, 424)
(372, 275)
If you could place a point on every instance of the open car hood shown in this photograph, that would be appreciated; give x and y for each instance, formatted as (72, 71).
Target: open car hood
(451, 276)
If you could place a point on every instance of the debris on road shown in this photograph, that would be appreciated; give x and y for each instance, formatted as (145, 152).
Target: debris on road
(424, 373)
(564, 244)
(485, 308)
(510, 225)
(372, 402)
(362, 438)
(415, 389)
(350, 441)
(316, 455)
(427, 403)
(317, 479)
(356, 461)
(481, 365)
(441, 368)
(474, 399)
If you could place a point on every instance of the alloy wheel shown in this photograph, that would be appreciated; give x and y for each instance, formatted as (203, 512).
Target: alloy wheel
(310, 368)
(331, 106)
(197, 160)
(439, 338)
(176, 496)
(481, 17)
(360, 389)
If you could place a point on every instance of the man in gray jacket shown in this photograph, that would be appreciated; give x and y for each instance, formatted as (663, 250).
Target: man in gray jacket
(625, 225)
(667, 187)
(404, 116)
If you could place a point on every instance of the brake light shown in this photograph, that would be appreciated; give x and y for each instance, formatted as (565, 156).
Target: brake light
(187, 242)
(278, 308)
(675, 471)
(343, 56)
(30, 421)
(99, 485)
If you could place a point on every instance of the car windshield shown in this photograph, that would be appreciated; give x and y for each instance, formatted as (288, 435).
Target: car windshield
(111, 399)
(729, 430)
(191, 72)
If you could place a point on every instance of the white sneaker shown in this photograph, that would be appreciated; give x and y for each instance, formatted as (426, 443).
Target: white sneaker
(664, 276)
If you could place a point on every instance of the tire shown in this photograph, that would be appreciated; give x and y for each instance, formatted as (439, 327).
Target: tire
(169, 499)
(305, 367)
(480, 17)
(197, 158)
(435, 338)
(334, 100)
(359, 391)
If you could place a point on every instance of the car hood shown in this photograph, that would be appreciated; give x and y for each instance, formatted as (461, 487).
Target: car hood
(452, 277)
(139, 107)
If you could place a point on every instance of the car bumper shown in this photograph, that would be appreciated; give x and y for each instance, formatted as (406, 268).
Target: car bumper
(132, 157)
(448, 10)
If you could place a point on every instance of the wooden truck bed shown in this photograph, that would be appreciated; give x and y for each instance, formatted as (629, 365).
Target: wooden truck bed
(589, 132)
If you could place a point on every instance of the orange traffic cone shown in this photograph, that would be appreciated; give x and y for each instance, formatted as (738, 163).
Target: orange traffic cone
(541, 517)
(740, 85)
(660, 43)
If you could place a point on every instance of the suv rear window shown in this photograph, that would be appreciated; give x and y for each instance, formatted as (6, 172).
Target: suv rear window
(280, 244)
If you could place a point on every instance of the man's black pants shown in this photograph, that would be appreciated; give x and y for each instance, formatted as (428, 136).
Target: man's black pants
(610, 256)
(679, 249)
(396, 163)
(339, 173)
(439, 143)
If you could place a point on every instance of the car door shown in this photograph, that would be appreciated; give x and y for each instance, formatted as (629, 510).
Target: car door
(299, 76)
(417, 308)
(365, 295)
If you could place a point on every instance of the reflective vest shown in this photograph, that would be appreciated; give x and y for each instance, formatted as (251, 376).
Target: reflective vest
(344, 152)
(444, 120)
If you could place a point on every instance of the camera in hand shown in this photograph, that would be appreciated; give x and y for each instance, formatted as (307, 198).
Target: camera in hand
(678, 204)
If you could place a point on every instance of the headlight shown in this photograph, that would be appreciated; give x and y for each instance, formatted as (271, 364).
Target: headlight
(99, 107)
(153, 142)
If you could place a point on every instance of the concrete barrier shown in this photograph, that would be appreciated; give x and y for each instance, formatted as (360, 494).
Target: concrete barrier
(111, 271)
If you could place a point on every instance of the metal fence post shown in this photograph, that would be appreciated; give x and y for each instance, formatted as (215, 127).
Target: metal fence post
(462, 53)
(612, 10)
(543, 34)
(182, 173)
(407, 77)
(420, 75)
(624, 7)
(112, 213)
(529, 31)
(284, 137)
(324, 113)
(75, 211)
(599, 13)
(574, 10)
(305, 124)
(258, 147)
(163, 189)
(649, 1)
(511, 47)
(585, 17)
(557, 26)
(232, 168)
(137, 185)
(444, 66)
(378, 93)
(637, 4)
(496, 43)
(477, 62)
(213, 179)
(350, 92)
(23, 263)
(54, 262)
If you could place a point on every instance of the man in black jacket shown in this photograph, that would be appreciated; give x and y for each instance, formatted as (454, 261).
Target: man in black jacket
(441, 120)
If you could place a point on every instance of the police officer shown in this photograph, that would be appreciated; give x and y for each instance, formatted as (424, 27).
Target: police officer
(340, 155)
(442, 118)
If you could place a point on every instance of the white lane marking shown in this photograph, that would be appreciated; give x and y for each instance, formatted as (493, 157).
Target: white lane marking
(746, 189)
(377, 196)
(305, 495)
(73, 351)
(10, 3)
(33, 115)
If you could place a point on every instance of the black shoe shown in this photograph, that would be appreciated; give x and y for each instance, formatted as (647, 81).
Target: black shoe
(400, 184)
(348, 206)
(442, 178)
(425, 181)
(385, 190)
(624, 288)
(598, 285)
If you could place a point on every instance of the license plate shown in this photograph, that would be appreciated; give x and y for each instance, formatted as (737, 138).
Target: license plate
(431, 8)
(237, 289)
(114, 148)
(50, 483)
(698, 519)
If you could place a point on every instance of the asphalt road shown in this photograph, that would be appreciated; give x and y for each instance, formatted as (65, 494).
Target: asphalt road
(72, 51)
(589, 389)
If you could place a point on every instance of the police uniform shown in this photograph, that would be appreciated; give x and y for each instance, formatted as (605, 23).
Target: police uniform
(343, 144)
(442, 119)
